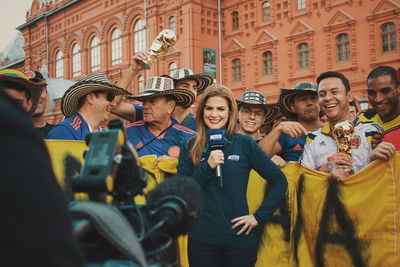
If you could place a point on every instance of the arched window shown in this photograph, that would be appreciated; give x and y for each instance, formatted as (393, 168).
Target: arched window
(301, 4)
(59, 64)
(266, 13)
(172, 25)
(95, 54)
(235, 20)
(172, 67)
(236, 70)
(141, 83)
(267, 63)
(140, 36)
(388, 35)
(116, 47)
(76, 61)
(343, 47)
(303, 55)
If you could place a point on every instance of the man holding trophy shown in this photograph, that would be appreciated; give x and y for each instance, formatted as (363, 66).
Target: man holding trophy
(183, 78)
(343, 139)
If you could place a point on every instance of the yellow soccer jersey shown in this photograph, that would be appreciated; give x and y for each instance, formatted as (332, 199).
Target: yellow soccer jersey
(372, 115)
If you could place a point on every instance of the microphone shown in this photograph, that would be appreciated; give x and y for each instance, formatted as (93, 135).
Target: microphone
(176, 204)
(216, 142)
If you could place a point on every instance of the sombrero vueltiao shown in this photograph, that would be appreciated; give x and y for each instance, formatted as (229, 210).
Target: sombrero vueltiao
(91, 83)
(18, 77)
(161, 86)
(257, 98)
(203, 80)
(286, 96)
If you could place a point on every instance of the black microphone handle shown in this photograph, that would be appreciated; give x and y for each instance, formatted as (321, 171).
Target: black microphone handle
(218, 173)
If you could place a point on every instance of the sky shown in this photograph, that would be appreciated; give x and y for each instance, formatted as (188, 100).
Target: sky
(12, 15)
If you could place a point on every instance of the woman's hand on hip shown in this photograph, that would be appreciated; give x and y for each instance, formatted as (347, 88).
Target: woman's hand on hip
(216, 157)
(249, 222)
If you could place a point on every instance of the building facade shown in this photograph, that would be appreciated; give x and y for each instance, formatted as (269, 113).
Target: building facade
(245, 44)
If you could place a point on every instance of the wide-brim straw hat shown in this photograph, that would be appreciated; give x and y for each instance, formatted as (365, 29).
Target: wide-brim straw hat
(286, 96)
(163, 86)
(18, 77)
(203, 80)
(90, 83)
(258, 99)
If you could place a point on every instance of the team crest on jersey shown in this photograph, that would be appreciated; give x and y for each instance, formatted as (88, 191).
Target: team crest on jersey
(356, 141)
(173, 151)
(234, 157)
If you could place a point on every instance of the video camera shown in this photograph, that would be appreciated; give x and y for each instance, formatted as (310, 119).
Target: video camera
(121, 233)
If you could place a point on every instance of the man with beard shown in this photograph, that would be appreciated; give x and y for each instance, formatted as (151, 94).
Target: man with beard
(334, 96)
(288, 138)
(384, 97)
(38, 115)
(86, 105)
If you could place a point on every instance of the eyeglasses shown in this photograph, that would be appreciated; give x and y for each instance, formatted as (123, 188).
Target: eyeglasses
(257, 114)
(109, 96)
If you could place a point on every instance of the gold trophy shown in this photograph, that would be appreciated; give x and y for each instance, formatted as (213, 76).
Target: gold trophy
(164, 40)
(343, 133)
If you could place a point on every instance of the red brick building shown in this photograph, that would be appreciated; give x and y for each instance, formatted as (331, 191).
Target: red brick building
(265, 45)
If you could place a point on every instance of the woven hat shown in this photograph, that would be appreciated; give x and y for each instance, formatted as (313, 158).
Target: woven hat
(257, 98)
(160, 86)
(90, 83)
(203, 80)
(287, 95)
(18, 77)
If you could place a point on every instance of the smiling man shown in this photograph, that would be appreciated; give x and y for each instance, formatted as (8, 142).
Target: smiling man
(86, 105)
(384, 97)
(334, 96)
(254, 112)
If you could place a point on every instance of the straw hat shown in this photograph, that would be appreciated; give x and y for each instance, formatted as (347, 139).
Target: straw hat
(287, 95)
(258, 99)
(90, 83)
(161, 86)
(203, 80)
(18, 77)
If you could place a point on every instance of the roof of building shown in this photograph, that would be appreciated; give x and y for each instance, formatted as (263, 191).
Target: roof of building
(14, 51)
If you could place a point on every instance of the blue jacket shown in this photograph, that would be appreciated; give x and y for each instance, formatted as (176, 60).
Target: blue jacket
(222, 205)
(72, 128)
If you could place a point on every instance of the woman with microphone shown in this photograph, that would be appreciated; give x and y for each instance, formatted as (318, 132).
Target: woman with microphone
(226, 233)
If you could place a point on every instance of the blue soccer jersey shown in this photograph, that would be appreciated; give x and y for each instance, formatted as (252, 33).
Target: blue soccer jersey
(72, 128)
(291, 147)
(138, 134)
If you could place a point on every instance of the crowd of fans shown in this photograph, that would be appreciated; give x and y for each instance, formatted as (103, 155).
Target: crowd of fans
(257, 135)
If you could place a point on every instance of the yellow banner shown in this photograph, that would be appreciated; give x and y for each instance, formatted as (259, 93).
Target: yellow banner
(321, 222)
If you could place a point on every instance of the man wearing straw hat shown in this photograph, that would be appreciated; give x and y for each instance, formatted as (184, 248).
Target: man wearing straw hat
(18, 86)
(157, 134)
(254, 112)
(288, 138)
(86, 105)
(183, 79)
